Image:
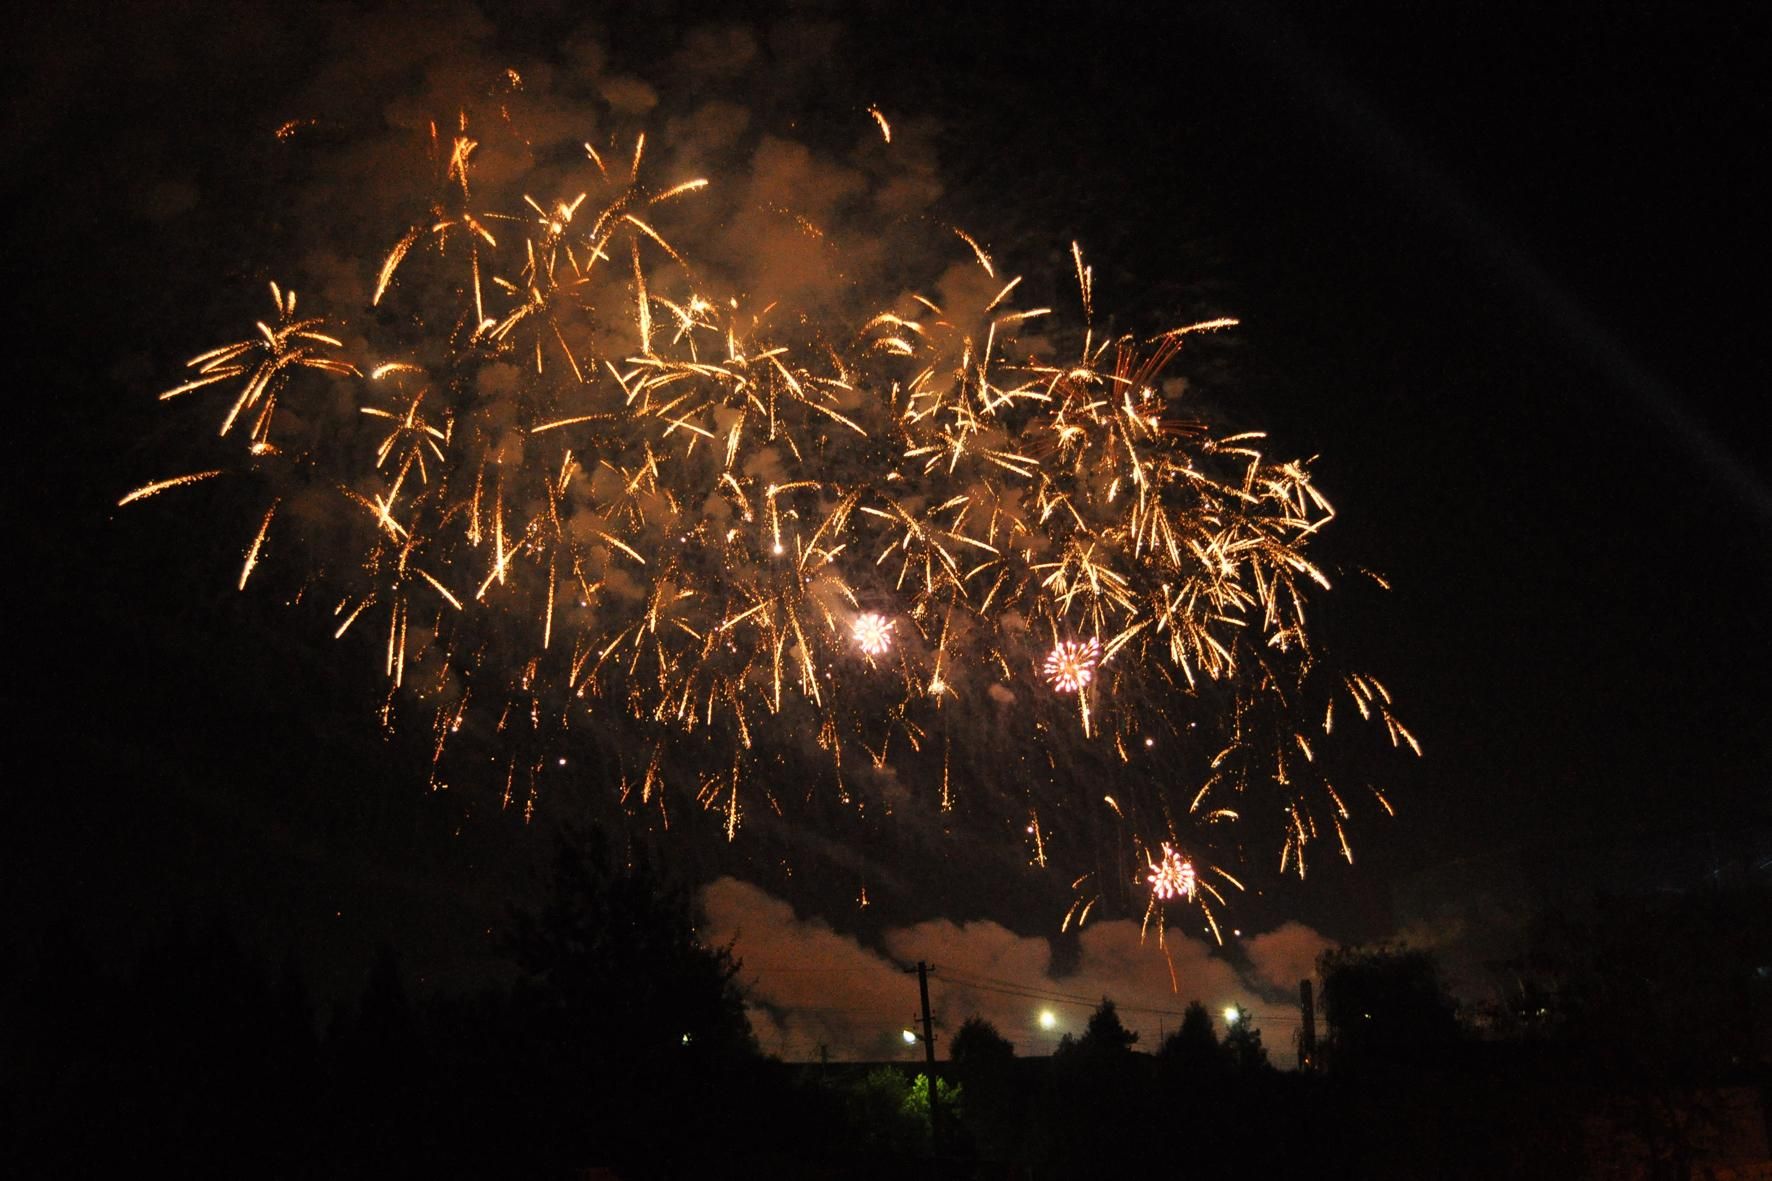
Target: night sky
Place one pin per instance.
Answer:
(1494, 267)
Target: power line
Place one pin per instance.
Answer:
(1270, 1015)
(1030, 993)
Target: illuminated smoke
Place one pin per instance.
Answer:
(573, 488)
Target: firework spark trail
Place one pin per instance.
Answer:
(592, 493)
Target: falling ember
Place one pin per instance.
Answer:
(258, 542)
(1070, 666)
(159, 486)
(873, 634)
(1172, 877)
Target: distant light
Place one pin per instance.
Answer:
(686, 1039)
(562, 761)
(1230, 1014)
(1048, 1019)
(1150, 742)
(910, 1039)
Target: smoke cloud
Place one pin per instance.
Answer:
(812, 987)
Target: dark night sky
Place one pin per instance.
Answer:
(1494, 265)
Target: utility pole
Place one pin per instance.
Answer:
(922, 970)
(1307, 1030)
(928, 1028)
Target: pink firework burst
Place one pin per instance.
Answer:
(1071, 665)
(1172, 877)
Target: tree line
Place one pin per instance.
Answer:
(620, 1041)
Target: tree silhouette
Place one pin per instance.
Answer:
(191, 1059)
(984, 1064)
(613, 951)
(1192, 1051)
(380, 1073)
(1386, 1004)
(1092, 1109)
(1105, 1037)
(1242, 1044)
(626, 1019)
(1657, 995)
(977, 1044)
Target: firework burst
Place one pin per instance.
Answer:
(1171, 876)
(1070, 666)
(873, 634)
(573, 493)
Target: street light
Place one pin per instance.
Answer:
(910, 1039)
(1231, 1013)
